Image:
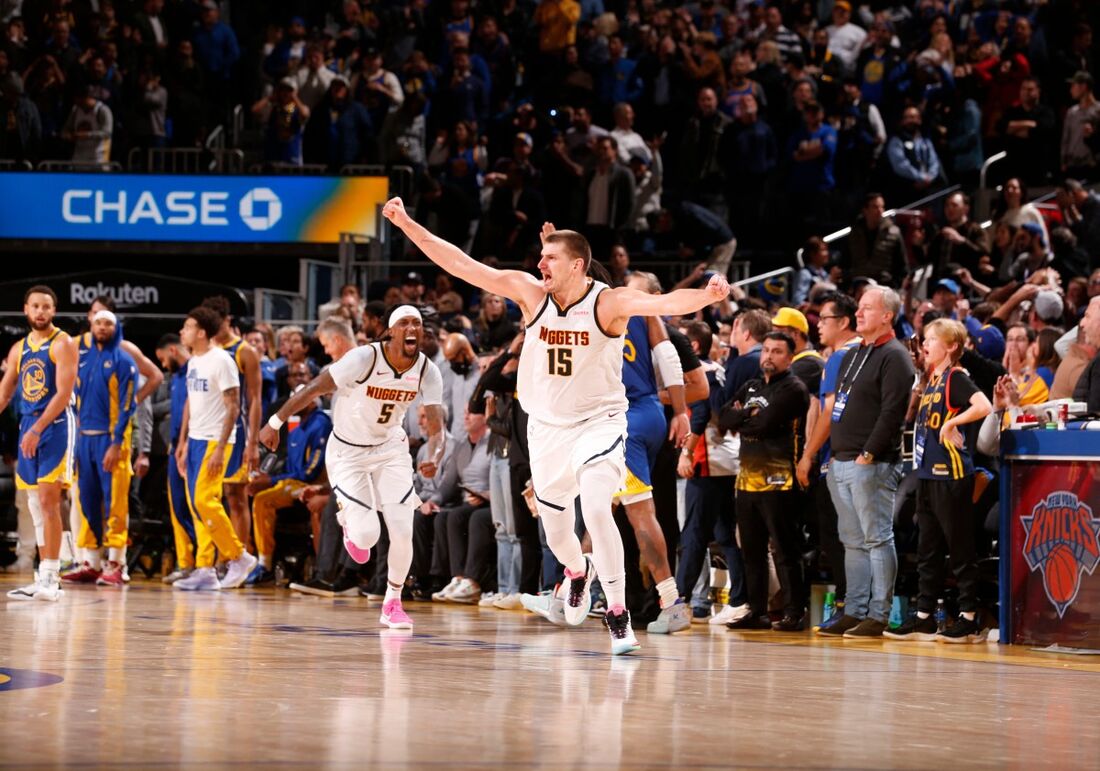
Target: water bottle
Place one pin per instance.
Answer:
(941, 616)
(830, 607)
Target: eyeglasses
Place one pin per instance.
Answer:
(831, 317)
(1094, 282)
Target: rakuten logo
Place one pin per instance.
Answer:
(125, 296)
(259, 208)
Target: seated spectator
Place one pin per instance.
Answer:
(1088, 385)
(1081, 212)
(815, 256)
(1020, 364)
(1035, 254)
(1044, 355)
(493, 328)
(1012, 207)
(960, 241)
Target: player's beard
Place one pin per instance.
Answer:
(38, 325)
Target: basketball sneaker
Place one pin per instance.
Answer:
(730, 614)
(617, 621)
(176, 575)
(362, 556)
(546, 604)
(49, 588)
(394, 616)
(25, 592)
(83, 573)
(200, 580)
(111, 576)
(259, 575)
(915, 628)
(466, 593)
(578, 598)
(488, 598)
(239, 570)
(508, 602)
(964, 630)
(444, 594)
(674, 618)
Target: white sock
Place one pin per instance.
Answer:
(94, 558)
(598, 484)
(668, 591)
(968, 615)
(265, 561)
(922, 615)
(116, 555)
(47, 570)
(392, 592)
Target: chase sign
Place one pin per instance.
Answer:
(140, 207)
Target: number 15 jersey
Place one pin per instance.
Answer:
(570, 369)
(374, 395)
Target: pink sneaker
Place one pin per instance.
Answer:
(362, 556)
(394, 616)
(85, 574)
(111, 576)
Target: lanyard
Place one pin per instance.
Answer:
(844, 379)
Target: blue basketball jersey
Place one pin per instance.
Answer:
(37, 374)
(638, 375)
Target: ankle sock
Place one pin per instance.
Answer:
(668, 592)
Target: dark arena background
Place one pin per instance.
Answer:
(860, 504)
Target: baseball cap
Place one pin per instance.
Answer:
(525, 138)
(791, 317)
(1035, 229)
(1081, 76)
(413, 278)
(289, 83)
(991, 343)
(843, 4)
(1049, 306)
(640, 155)
(950, 284)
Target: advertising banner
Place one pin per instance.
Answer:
(188, 208)
(1055, 584)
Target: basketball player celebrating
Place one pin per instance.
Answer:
(570, 383)
(43, 366)
(367, 457)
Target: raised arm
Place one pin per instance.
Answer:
(518, 286)
(616, 306)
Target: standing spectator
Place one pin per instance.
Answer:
(284, 118)
(557, 23)
(960, 140)
(20, 126)
(340, 132)
(1028, 128)
(1081, 211)
(154, 31)
(617, 82)
(876, 247)
(845, 38)
(627, 139)
(914, 164)
(610, 197)
(740, 85)
(861, 134)
(1013, 208)
(872, 397)
(876, 62)
(768, 412)
(465, 97)
(148, 126)
(90, 127)
(945, 488)
(1079, 129)
(313, 77)
(750, 155)
(187, 107)
(702, 64)
(378, 88)
(812, 150)
(702, 177)
(787, 41)
(960, 241)
(217, 52)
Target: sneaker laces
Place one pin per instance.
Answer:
(576, 588)
(617, 623)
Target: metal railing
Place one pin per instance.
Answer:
(7, 164)
(186, 160)
(236, 127)
(79, 166)
(290, 169)
(216, 139)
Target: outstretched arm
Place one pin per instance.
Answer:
(321, 385)
(622, 303)
(521, 287)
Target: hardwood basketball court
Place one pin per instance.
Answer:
(148, 677)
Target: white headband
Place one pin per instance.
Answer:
(105, 314)
(404, 311)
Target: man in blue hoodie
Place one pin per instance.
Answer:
(105, 385)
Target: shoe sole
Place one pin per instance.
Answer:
(847, 636)
(464, 600)
(969, 639)
(621, 649)
(49, 596)
(912, 636)
(385, 621)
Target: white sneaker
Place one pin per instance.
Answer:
(547, 605)
(25, 592)
(488, 598)
(466, 593)
(578, 594)
(508, 602)
(444, 594)
(200, 580)
(49, 589)
(176, 575)
(731, 613)
(239, 570)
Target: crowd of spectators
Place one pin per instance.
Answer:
(672, 128)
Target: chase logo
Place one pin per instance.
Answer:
(1063, 540)
(261, 209)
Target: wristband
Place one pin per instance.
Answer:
(275, 422)
(36, 433)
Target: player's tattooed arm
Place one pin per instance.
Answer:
(437, 441)
(322, 385)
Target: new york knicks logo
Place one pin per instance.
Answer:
(34, 381)
(1063, 540)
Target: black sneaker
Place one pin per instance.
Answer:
(315, 586)
(838, 625)
(790, 623)
(915, 628)
(259, 576)
(867, 629)
(751, 624)
(345, 585)
(964, 631)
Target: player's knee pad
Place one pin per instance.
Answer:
(37, 516)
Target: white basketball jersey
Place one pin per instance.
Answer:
(570, 370)
(374, 396)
